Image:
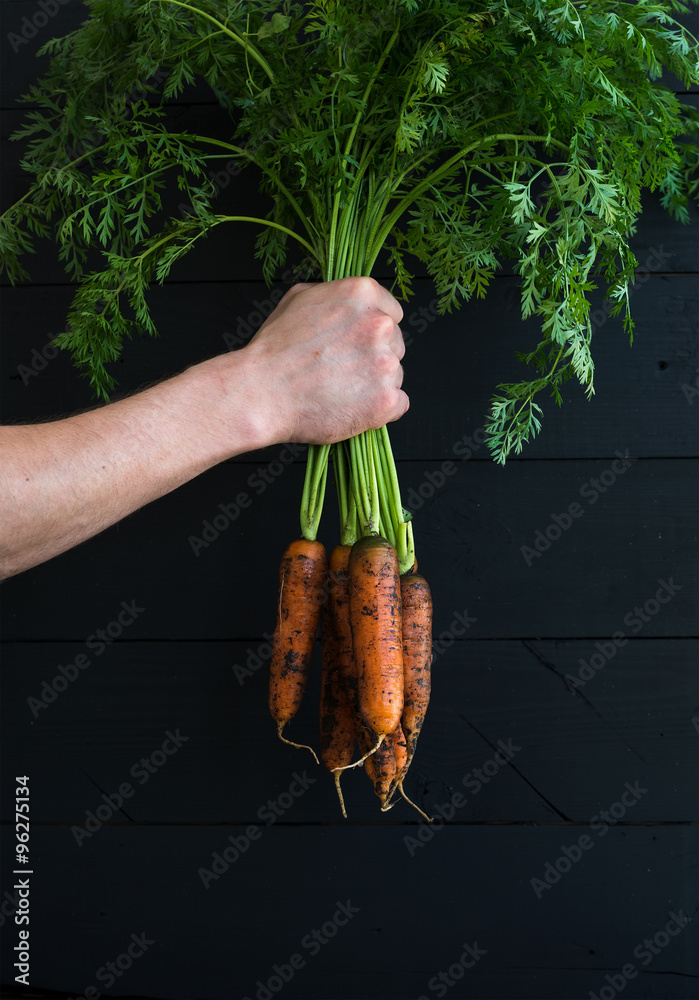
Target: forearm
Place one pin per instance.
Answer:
(64, 482)
(323, 367)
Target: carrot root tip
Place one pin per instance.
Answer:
(430, 819)
(339, 793)
(299, 746)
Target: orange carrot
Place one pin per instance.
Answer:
(381, 764)
(400, 749)
(417, 658)
(338, 600)
(337, 723)
(376, 617)
(300, 597)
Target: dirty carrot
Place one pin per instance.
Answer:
(338, 600)
(380, 765)
(400, 754)
(376, 618)
(302, 573)
(337, 722)
(417, 658)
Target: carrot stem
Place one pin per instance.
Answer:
(340, 467)
(314, 490)
(401, 531)
(370, 444)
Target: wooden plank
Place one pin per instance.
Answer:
(646, 395)
(476, 541)
(82, 732)
(405, 919)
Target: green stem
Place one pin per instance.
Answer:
(351, 531)
(375, 508)
(360, 484)
(388, 529)
(273, 225)
(37, 186)
(348, 149)
(438, 174)
(340, 466)
(232, 34)
(401, 527)
(314, 490)
(345, 496)
(241, 151)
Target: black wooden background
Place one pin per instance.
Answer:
(599, 790)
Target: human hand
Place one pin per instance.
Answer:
(328, 361)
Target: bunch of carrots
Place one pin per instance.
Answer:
(376, 629)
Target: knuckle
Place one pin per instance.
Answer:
(401, 345)
(386, 364)
(292, 292)
(386, 400)
(361, 287)
(379, 327)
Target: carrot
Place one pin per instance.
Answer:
(338, 600)
(302, 574)
(337, 722)
(400, 749)
(376, 617)
(381, 764)
(417, 658)
(400, 755)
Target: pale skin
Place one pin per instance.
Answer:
(324, 366)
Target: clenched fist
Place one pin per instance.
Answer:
(327, 362)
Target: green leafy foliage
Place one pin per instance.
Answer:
(457, 134)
